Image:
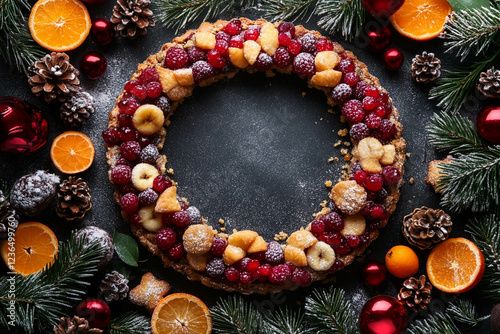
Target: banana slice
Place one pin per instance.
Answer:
(148, 119)
(151, 220)
(320, 256)
(143, 176)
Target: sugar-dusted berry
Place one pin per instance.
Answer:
(341, 93)
(160, 183)
(373, 121)
(294, 47)
(280, 274)
(148, 75)
(165, 238)
(274, 254)
(288, 27)
(359, 131)
(130, 150)
(263, 62)
(202, 70)
(147, 197)
(129, 203)
(181, 219)
(353, 111)
(233, 27)
(232, 274)
(282, 57)
(301, 276)
(391, 175)
(215, 267)
(176, 58)
(308, 42)
(324, 44)
(176, 253)
(111, 136)
(218, 246)
(121, 174)
(303, 64)
(374, 182)
(149, 154)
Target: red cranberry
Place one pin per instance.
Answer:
(215, 267)
(129, 203)
(264, 270)
(232, 274)
(121, 174)
(369, 103)
(202, 70)
(374, 182)
(252, 265)
(176, 58)
(351, 78)
(343, 248)
(294, 47)
(367, 209)
(263, 62)
(301, 276)
(181, 219)
(252, 34)
(280, 274)
(341, 93)
(147, 197)
(284, 38)
(308, 42)
(176, 253)
(237, 42)
(130, 150)
(282, 57)
(372, 91)
(223, 47)
(153, 89)
(336, 266)
(331, 238)
(290, 265)
(303, 64)
(131, 84)
(372, 120)
(148, 75)
(353, 111)
(274, 254)
(379, 111)
(346, 65)
(360, 177)
(160, 183)
(391, 175)
(245, 277)
(288, 27)
(222, 36)
(233, 27)
(165, 239)
(111, 136)
(317, 226)
(128, 106)
(215, 59)
(359, 131)
(333, 222)
(218, 246)
(196, 54)
(139, 91)
(324, 44)
(378, 211)
(352, 240)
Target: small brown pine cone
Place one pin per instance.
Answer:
(53, 77)
(75, 325)
(425, 68)
(77, 109)
(132, 18)
(489, 83)
(426, 227)
(416, 293)
(114, 286)
(73, 199)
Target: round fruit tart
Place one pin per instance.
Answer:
(243, 261)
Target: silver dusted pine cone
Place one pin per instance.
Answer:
(77, 109)
(114, 286)
(425, 68)
(132, 18)
(489, 83)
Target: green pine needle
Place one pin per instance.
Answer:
(485, 232)
(285, 321)
(130, 323)
(465, 312)
(328, 311)
(344, 16)
(437, 323)
(287, 10)
(236, 316)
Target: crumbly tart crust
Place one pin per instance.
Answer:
(148, 238)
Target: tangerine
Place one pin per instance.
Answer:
(401, 261)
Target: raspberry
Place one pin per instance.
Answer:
(318, 226)
(233, 27)
(165, 239)
(374, 182)
(148, 197)
(128, 106)
(352, 240)
(215, 267)
(149, 154)
(125, 120)
(294, 47)
(202, 70)
(372, 91)
(259, 256)
(372, 120)
(218, 246)
(153, 89)
(288, 27)
(111, 136)
(387, 129)
(274, 254)
(143, 141)
(129, 203)
(215, 59)
(223, 47)
(131, 84)
(290, 265)
(333, 222)
(237, 42)
(367, 209)
(331, 238)
(130, 150)
(381, 194)
(324, 45)
(336, 266)
(232, 274)
(123, 161)
(301, 276)
(196, 54)
(364, 238)
(139, 91)
(252, 34)
(341, 93)
(194, 215)
(379, 111)
(346, 66)
(282, 57)
(351, 78)
(360, 177)
(176, 58)
(355, 167)
(121, 174)
(241, 265)
(128, 134)
(391, 175)
(369, 103)
(353, 111)
(176, 253)
(303, 64)
(245, 277)
(181, 218)
(343, 248)
(160, 183)
(280, 274)
(222, 36)
(148, 75)
(383, 97)
(308, 42)
(284, 38)
(359, 90)
(264, 270)
(359, 131)
(164, 104)
(263, 62)
(127, 188)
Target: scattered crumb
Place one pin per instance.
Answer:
(170, 171)
(316, 122)
(347, 157)
(223, 229)
(280, 236)
(346, 143)
(337, 144)
(343, 119)
(343, 132)
(344, 151)
(321, 119)
(409, 201)
(331, 159)
(185, 200)
(412, 180)
(331, 111)
(304, 94)
(221, 221)
(408, 155)
(323, 204)
(336, 158)
(328, 183)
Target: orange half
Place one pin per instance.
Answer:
(59, 25)
(421, 20)
(72, 152)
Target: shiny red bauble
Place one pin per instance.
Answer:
(374, 273)
(382, 8)
(96, 311)
(383, 315)
(488, 124)
(393, 59)
(93, 65)
(22, 128)
(379, 38)
(94, 2)
(102, 31)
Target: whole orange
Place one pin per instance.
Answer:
(401, 261)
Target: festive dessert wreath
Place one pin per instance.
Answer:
(243, 261)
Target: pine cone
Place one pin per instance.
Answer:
(77, 109)
(114, 286)
(426, 227)
(132, 18)
(75, 325)
(54, 77)
(416, 293)
(425, 68)
(489, 83)
(73, 199)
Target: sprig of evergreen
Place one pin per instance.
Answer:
(236, 316)
(437, 323)
(344, 16)
(287, 10)
(485, 232)
(465, 312)
(130, 323)
(285, 321)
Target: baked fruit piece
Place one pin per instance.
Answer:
(169, 227)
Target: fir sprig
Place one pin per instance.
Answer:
(285, 321)
(465, 312)
(236, 316)
(438, 323)
(344, 16)
(485, 232)
(287, 10)
(130, 323)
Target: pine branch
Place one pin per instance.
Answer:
(454, 134)
(485, 232)
(437, 323)
(344, 16)
(130, 323)
(455, 86)
(472, 29)
(236, 316)
(464, 312)
(285, 321)
(283, 10)
(329, 312)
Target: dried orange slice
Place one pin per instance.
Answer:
(455, 265)
(59, 25)
(181, 313)
(33, 248)
(421, 20)
(72, 152)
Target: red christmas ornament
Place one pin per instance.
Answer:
(393, 59)
(379, 38)
(96, 311)
(488, 124)
(94, 2)
(374, 273)
(93, 65)
(383, 315)
(382, 8)
(102, 31)
(22, 128)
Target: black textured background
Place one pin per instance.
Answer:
(252, 151)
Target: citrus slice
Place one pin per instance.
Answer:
(421, 20)
(72, 152)
(34, 247)
(455, 265)
(59, 25)
(181, 313)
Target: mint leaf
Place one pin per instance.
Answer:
(126, 248)
(468, 4)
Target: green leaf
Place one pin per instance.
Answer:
(126, 248)
(468, 4)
